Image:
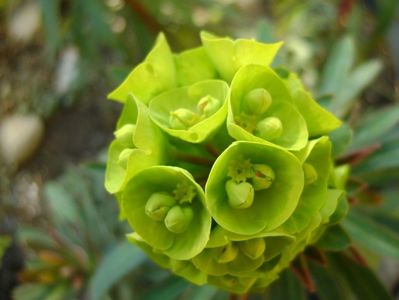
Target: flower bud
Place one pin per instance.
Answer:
(208, 105)
(263, 178)
(178, 218)
(158, 206)
(310, 173)
(182, 118)
(125, 135)
(253, 248)
(269, 128)
(258, 101)
(228, 253)
(240, 195)
(124, 157)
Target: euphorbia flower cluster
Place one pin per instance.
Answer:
(221, 164)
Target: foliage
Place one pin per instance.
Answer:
(322, 45)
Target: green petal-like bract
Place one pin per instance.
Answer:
(228, 55)
(162, 106)
(219, 118)
(281, 123)
(272, 206)
(156, 74)
(160, 179)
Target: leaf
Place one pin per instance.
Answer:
(337, 67)
(169, 290)
(373, 126)
(118, 262)
(205, 292)
(357, 80)
(363, 282)
(62, 204)
(287, 287)
(35, 237)
(328, 286)
(341, 139)
(51, 26)
(372, 235)
(334, 239)
(31, 292)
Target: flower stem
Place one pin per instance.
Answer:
(212, 150)
(196, 160)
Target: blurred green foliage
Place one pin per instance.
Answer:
(79, 252)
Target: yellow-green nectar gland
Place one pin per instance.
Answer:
(178, 218)
(269, 128)
(158, 205)
(183, 118)
(124, 157)
(253, 248)
(228, 253)
(310, 173)
(207, 106)
(263, 177)
(240, 195)
(124, 135)
(257, 101)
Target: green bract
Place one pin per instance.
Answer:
(221, 164)
(272, 205)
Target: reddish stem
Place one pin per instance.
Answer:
(358, 257)
(303, 274)
(145, 17)
(358, 155)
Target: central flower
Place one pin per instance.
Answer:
(221, 164)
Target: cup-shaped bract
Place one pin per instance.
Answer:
(319, 121)
(138, 145)
(228, 55)
(156, 74)
(276, 120)
(194, 66)
(317, 165)
(191, 113)
(271, 206)
(175, 242)
(184, 268)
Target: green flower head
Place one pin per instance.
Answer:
(222, 164)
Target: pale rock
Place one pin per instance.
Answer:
(67, 70)
(24, 22)
(20, 135)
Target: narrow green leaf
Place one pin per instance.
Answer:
(170, 290)
(372, 235)
(341, 139)
(337, 67)
(51, 24)
(31, 292)
(334, 239)
(353, 85)
(328, 287)
(287, 287)
(363, 282)
(62, 204)
(121, 260)
(374, 125)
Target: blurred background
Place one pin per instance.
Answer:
(60, 237)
